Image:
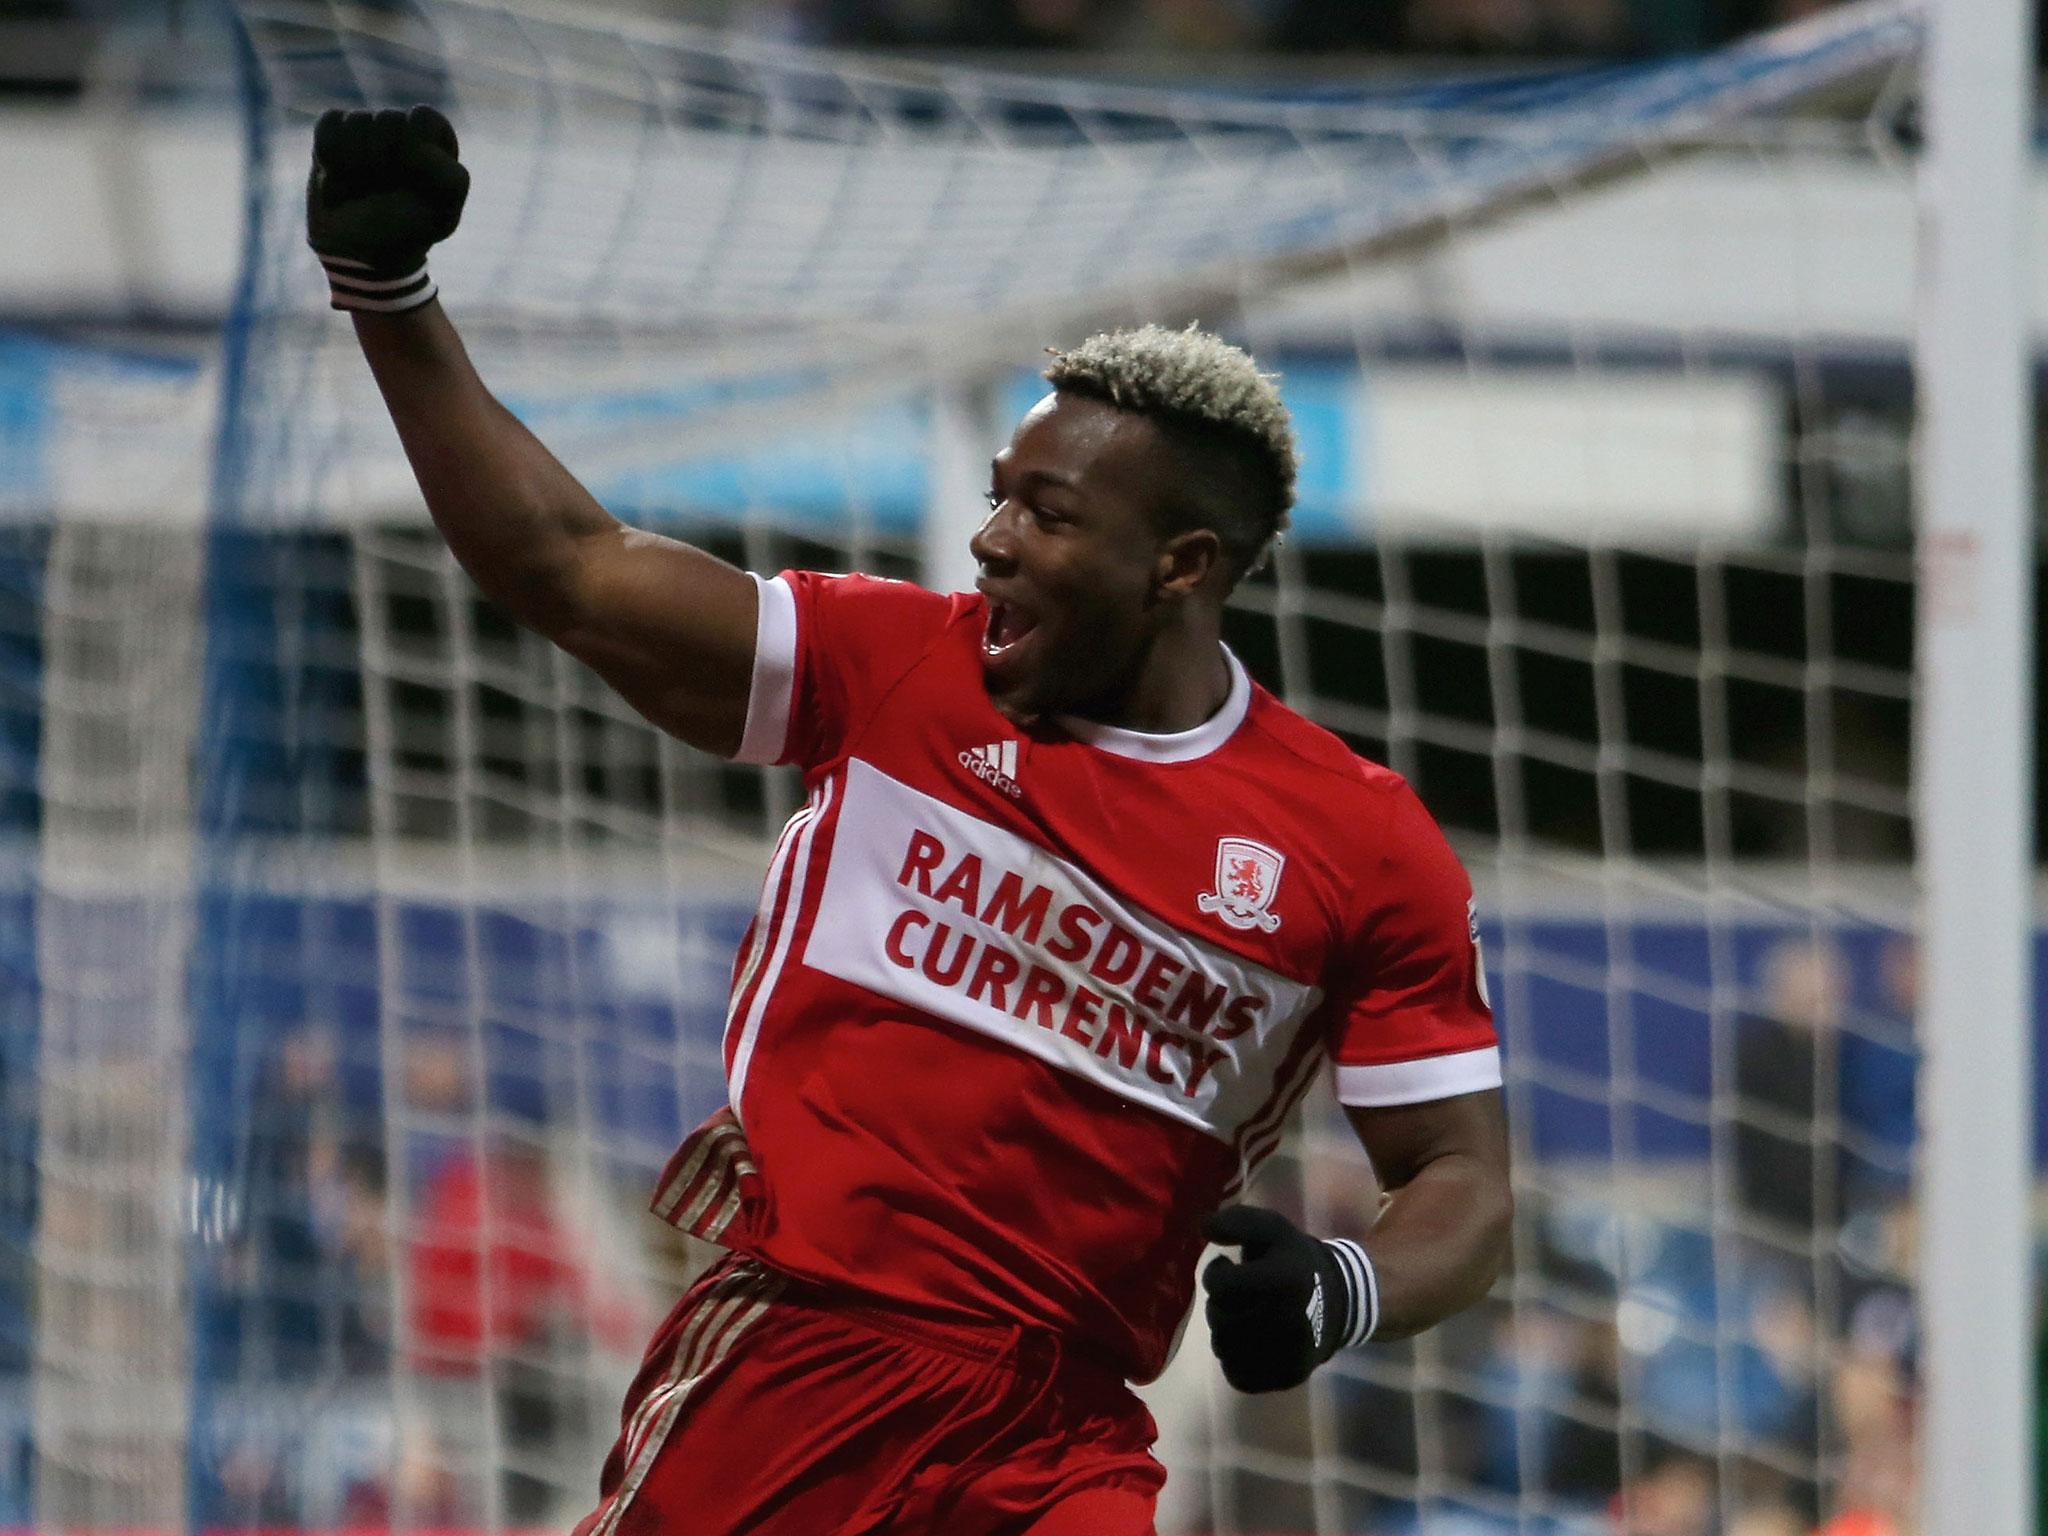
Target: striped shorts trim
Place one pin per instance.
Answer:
(730, 1303)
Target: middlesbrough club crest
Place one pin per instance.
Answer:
(1247, 878)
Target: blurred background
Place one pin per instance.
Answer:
(50, 44)
(361, 960)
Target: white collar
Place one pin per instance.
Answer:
(1171, 746)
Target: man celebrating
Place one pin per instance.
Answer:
(1070, 918)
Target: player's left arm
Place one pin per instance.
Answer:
(1418, 1072)
(1290, 1300)
(1442, 1239)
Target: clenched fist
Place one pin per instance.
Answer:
(385, 186)
(1287, 1303)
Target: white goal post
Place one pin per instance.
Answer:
(1975, 796)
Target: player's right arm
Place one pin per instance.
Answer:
(668, 626)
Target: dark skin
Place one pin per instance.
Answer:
(1100, 606)
(1126, 618)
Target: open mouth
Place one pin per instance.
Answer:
(1007, 625)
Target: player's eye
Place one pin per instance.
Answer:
(992, 499)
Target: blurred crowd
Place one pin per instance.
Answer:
(418, 1314)
(48, 45)
(1558, 29)
(360, 1378)
(1652, 1368)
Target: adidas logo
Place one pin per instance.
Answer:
(994, 764)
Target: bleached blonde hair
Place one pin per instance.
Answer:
(1211, 402)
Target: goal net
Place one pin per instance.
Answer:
(418, 975)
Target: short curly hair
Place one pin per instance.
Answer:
(1216, 409)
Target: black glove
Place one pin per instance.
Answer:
(1289, 1304)
(385, 186)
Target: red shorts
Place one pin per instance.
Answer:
(768, 1406)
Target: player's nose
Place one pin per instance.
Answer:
(993, 544)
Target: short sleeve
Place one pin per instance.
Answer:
(825, 650)
(1415, 1022)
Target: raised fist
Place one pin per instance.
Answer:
(385, 186)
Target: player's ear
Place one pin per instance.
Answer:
(1185, 561)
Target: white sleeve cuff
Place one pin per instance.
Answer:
(1417, 1082)
(768, 701)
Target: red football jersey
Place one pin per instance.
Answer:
(1019, 1007)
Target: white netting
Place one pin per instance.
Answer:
(683, 232)
(1607, 562)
